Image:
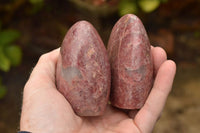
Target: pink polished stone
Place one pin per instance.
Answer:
(131, 63)
(83, 70)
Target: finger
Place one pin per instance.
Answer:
(46, 65)
(43, 105)
(159, 56)
(43, 74)
(150, 112)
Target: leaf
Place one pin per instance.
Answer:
(8, 36)
(127, 6)
(3, 91)
(4, 61)
(14, 54)
(148, 5)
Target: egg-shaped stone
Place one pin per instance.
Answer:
(131, 63)
(83, 70)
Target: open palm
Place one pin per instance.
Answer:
(46, 110)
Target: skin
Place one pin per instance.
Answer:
(44, 109)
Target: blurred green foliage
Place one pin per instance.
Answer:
(37, 5)
(127, 6)
(10, 54)
(134, 6)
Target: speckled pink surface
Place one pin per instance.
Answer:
(83, 70)
(131, 63)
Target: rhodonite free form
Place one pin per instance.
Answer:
(131, 63)
(83, 70)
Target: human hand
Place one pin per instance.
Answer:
(45, 109)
